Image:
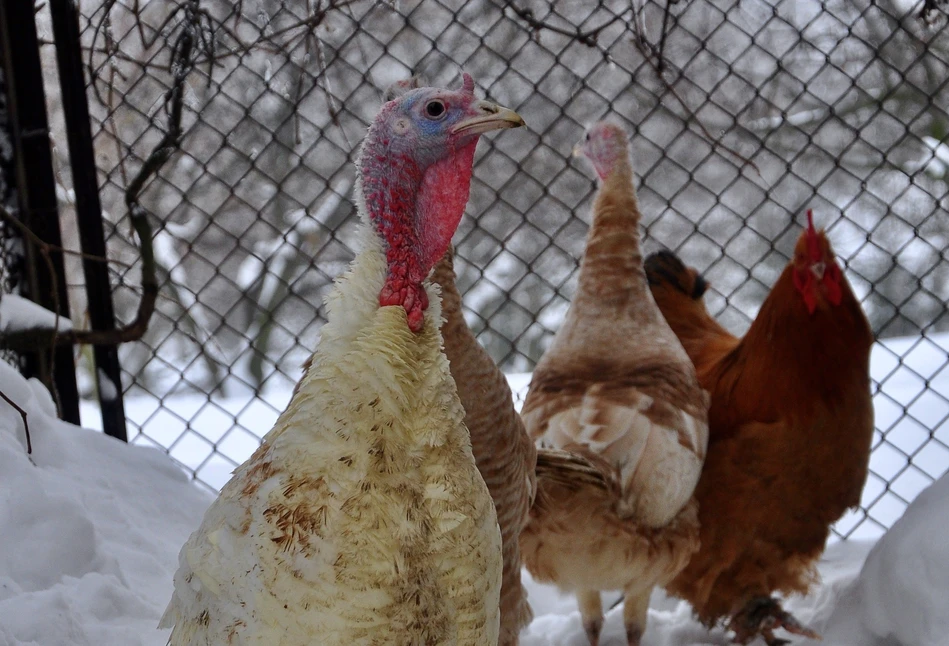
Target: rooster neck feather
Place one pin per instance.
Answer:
(818, 354)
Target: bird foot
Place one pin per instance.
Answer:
(633, 635)
(592, 628)
(762, 616)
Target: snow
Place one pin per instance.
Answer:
(897, 598)
(91, 531)
(911, 400)
(18, 313)
(107, 387)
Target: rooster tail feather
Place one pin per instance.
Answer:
(664, 267)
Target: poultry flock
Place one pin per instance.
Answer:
(398, 496)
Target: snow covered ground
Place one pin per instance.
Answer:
(91, 529)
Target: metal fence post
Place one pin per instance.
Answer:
(65, 16)
(36, 192)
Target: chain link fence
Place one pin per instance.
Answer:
(742, 113)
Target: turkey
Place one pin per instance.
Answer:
(615, 392)
(362, 518)
(504, 453)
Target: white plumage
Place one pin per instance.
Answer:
(362, 519)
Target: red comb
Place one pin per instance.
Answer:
(813, 247)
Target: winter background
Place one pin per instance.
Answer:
(743, 113)
(91, 529)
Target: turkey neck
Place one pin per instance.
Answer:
(475, 373)
(414, 211)
(390, 183)
(454, 330)
(612, 279)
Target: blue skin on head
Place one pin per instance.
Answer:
(431, 131)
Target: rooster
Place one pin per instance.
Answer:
(362, 518)
(790, 427)
(502, 449)
(617, 394)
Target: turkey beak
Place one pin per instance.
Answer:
(490, 117)
(578, 149)
(818, 269)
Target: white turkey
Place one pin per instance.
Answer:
(362, 519)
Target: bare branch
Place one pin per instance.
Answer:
(26, 424)
(182, 64)
(655, 57)
(587, 37)
(271, 41)
(27, 232)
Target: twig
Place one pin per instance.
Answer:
(198, 17)
(663, 33)
(238, 12)
(103, 25)
(268, 41)
(655, 59)
(26, 424)
(587, 37)
(125, 58)
(181, 64)
(110, 123)
(211, 54)
(653, 55)
(42, 244)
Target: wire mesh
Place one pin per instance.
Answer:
(742, 115)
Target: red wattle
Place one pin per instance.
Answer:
(832, 283)
(804, 283)
(441, 201)
(416, 213)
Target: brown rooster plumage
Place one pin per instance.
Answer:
(617, 393)
(504, 453)
(791, 422)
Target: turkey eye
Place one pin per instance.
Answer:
(435, 109)
(588, 136)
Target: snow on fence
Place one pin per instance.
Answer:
(742, 116)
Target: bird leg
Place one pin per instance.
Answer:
(761, 616)
(635, 612)
(591, 612)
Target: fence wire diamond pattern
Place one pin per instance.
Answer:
(743, 114)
